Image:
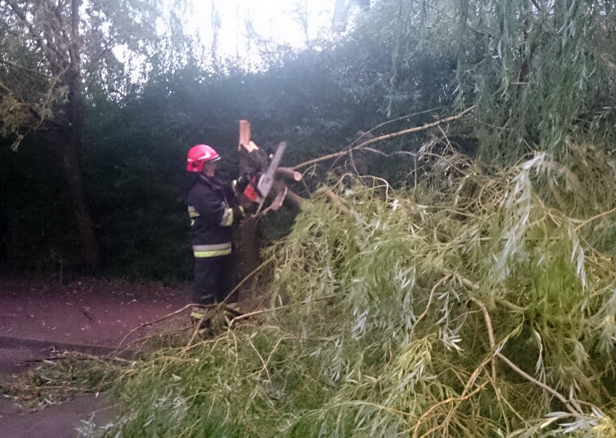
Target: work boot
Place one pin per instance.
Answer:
(234, 307)
(233, 310)
(196, 314)
(205, 326)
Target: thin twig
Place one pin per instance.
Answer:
(589, 220)
(425, 312)
(488, 320)
(499, 300)
(274, 309)
(531, 379)
(408, 116)
(444, 402)
(143, 339)
(169, 315)
(336, 200)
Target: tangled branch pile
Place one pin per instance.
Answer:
(479, 303)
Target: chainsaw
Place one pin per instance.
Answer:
(261, 185)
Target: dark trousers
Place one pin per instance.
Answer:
(214, 280)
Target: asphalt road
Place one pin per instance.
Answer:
(57, 421)
(40, 317)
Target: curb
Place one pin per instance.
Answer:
(96, 350)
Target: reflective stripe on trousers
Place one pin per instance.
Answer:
(221, 249)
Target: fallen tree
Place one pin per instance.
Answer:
(479, 302)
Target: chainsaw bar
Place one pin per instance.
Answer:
(267, 179)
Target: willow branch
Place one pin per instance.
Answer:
(444, 402)
(336, 200)
(295, 199)
(408, 117)
(531, 379)
(12, 64)
(425, 312)
(589, 220)
(499, 300)
(169, 315)
(289, 173)
(7, 90)
(488, 320)
(383, 138)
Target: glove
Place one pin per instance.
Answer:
(247, 186)
(242, 182)
(249, 208)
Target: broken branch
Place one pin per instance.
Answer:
(383, 138)
(289, 173)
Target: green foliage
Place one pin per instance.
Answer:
(540, 72)
(47, 45)
(136, 136)
(470, 305)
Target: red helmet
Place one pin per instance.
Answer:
(199, 155)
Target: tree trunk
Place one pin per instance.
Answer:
(3, 229)
(340, 17)
(72, 172)
(71, 148)
(249, 251)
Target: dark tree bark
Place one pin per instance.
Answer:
(249, 251)
(69, 149)
(3, 228)
(72, 148)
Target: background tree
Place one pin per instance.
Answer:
(541, 72)
(51, 53)
(137, 135)
(345, 11)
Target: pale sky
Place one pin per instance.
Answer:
(279, 20)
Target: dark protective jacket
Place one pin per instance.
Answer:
(214, 208)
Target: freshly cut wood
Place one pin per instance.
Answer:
(290, 173)
(244, 134)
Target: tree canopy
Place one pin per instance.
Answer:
(539, 71)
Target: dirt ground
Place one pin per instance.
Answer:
(40, 317)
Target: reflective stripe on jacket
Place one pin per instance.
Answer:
(213, 208)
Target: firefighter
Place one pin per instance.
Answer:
(215, 210)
